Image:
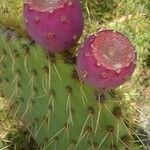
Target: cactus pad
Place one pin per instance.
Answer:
(59, 110)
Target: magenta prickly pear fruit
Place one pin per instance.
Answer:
(55, 24)
(106, 60)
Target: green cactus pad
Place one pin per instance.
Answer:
(59, 110)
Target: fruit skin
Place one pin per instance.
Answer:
(56, 30)
(97, 75)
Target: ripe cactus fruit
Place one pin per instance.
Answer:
(106, 60)
(56, 25)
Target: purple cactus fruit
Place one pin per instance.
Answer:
(106, 60)
(55, 24)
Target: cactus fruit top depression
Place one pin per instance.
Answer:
(106, 60)
(55, 24)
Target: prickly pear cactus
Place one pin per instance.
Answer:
(47, 95)
(59, 110)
